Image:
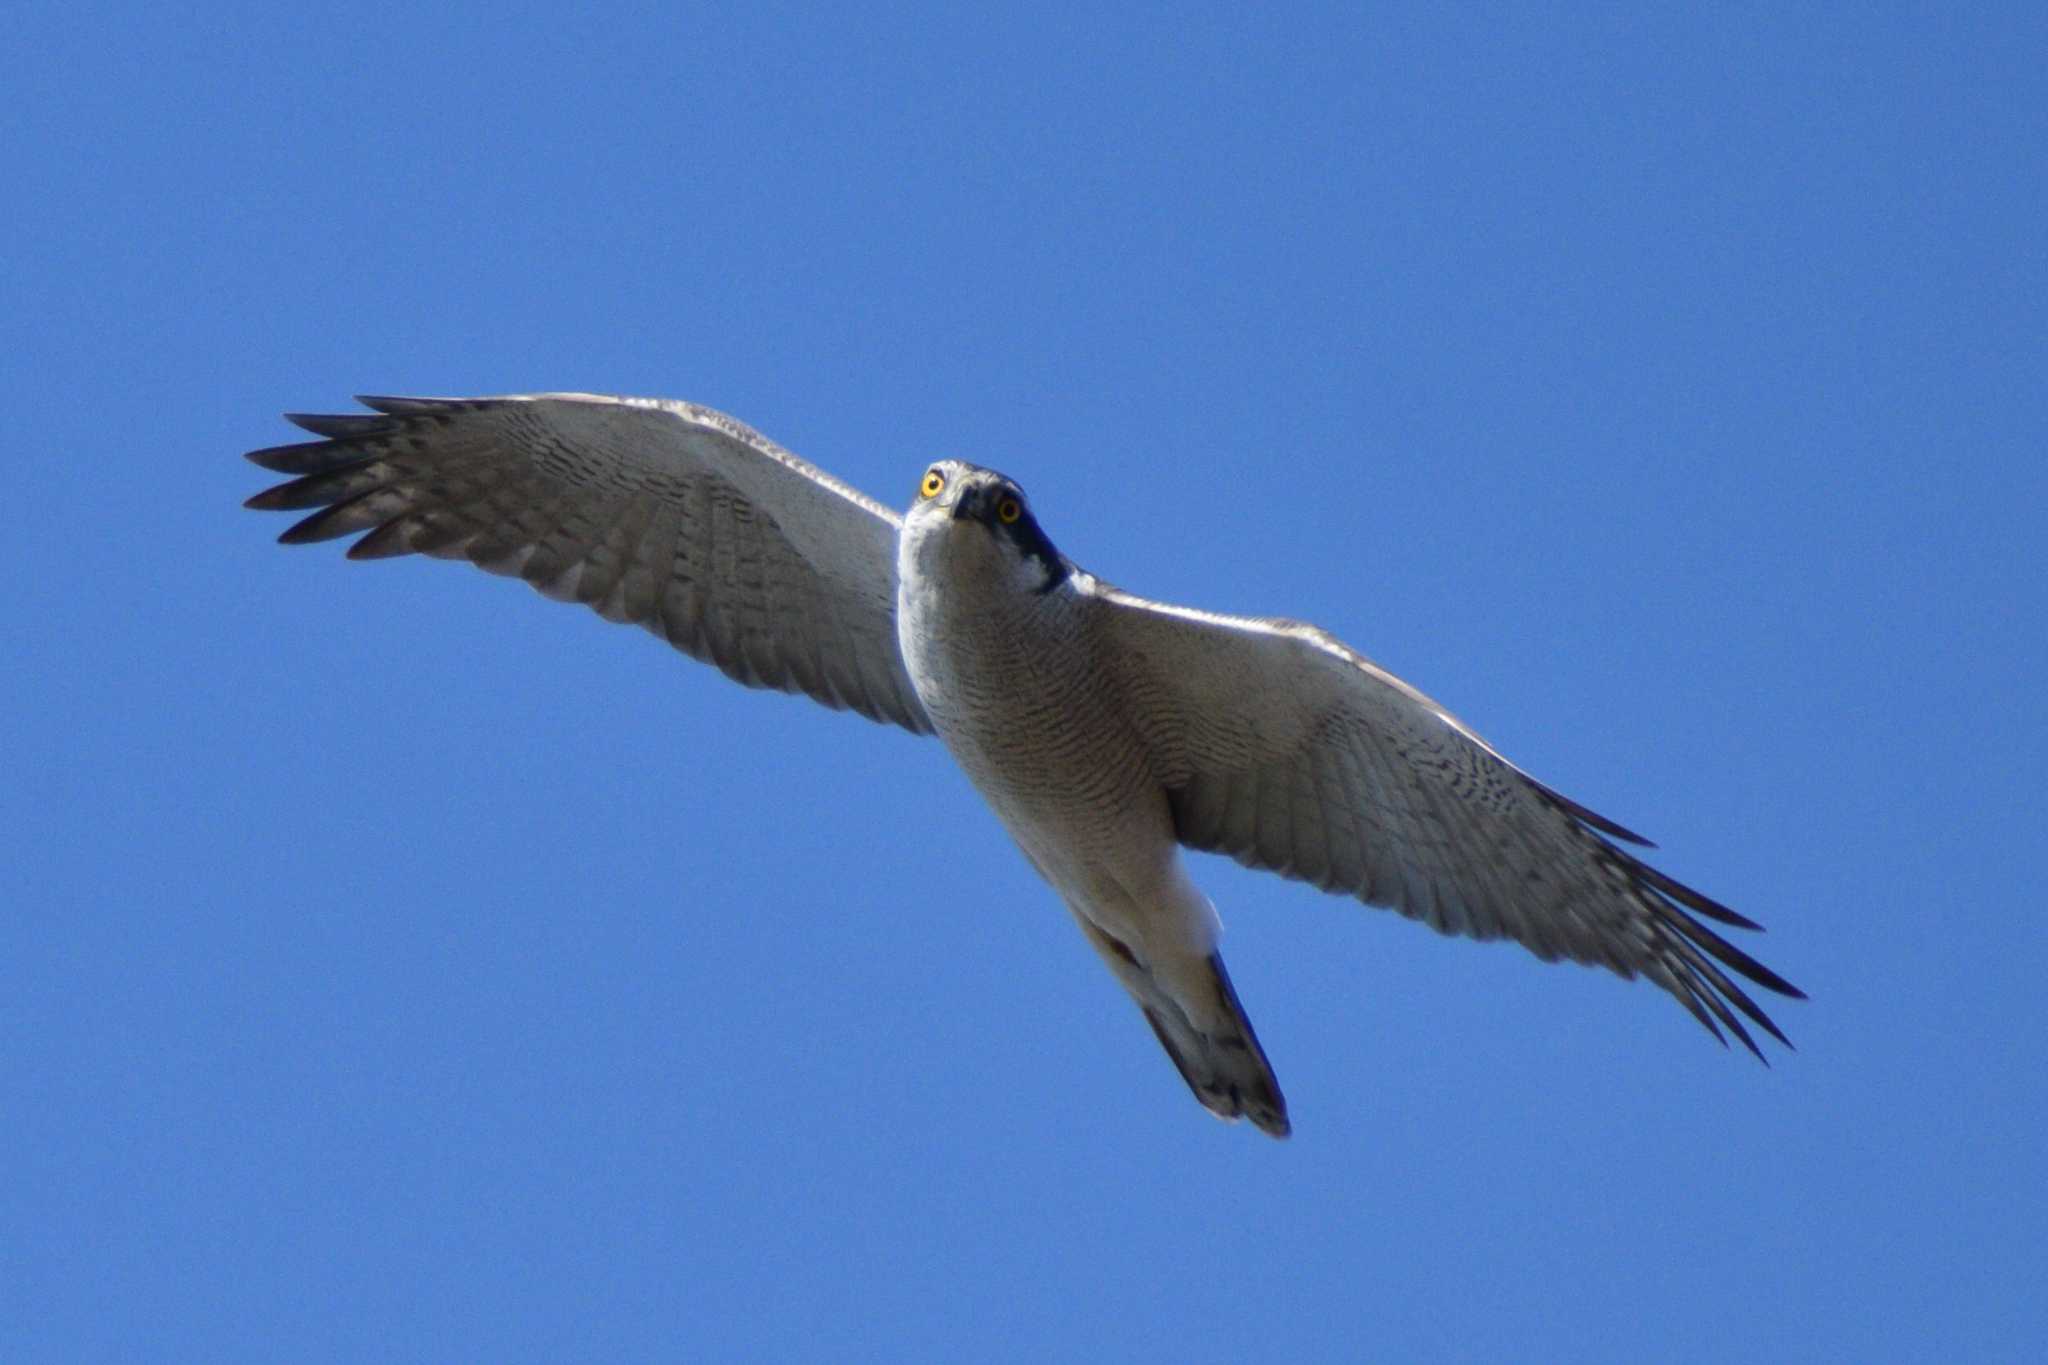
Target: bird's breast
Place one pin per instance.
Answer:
(1020, 698)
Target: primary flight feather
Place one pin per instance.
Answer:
(1105, 730)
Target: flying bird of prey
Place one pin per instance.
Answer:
(1105, 730)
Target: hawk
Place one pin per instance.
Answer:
(1106, 731)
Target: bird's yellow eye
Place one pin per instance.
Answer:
(1008, 510)
(933, 482)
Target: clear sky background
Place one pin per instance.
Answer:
(396, 965)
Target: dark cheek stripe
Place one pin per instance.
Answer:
(1034, 544)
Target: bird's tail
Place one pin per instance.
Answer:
(1194, 1012)
(1221, 1059)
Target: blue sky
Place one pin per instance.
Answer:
(401, 966)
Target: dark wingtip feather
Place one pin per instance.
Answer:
(1735, 1025)
(1757, 1017)
(393, 406)
(311, 490)
(392, 539)
(307, 531)
(306, 457)
(1695, 955)
(1686, 896)
(1742, 1036)
(1688, 996)
(1705, 985)
(329, 523)
(342, 426)
(1714, 991)
(1586, 816)
(1740, 961)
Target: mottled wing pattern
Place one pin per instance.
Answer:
(1285, 749)
(666, 515)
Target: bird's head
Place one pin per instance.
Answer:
(964, 513)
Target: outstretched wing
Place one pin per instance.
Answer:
(666, 515)
(1289, 751)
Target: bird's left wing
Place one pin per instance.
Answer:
(1281, 746)
(665, 515)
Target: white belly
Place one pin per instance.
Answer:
(1033, 721)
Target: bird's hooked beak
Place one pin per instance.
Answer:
(967, 503)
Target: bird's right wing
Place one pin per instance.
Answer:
(662, 514)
